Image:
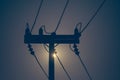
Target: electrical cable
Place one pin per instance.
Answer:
(85, 68)
(30, 45)
(62, 15)
(81, 63)
(57, 44)
(63, 67)
(41, 66)
(33, 53)
(93, 16)
(37, 15)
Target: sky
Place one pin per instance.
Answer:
(99, 43)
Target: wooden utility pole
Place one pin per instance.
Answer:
(51, 40)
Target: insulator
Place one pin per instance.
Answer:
(74, 46)
(31, 49)
(77, 53)
(29, 46)
(76, 31)
(27, 30)
(76, 49)
(41, 31)
(32, 52)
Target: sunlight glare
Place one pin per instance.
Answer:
(54, 55)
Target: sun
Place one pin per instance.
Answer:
(54, 55)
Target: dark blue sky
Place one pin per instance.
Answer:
(99, 43)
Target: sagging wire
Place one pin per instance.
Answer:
(37, 15)
(29, 45)
(33, 53)
(27, 31)
(85, 67)
(77, 53)
(43, 26)
(81, 31)
(41, 66)
(62, 66)
(61, 15)
(101, 5)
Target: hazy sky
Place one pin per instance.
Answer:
(99, 43)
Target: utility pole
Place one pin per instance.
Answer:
(51, 40)
(51, 61)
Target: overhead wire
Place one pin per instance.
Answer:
(63, 67)
(84, 66)
(41, 66)
(86, 70)
(37, 15)
(101, 5)
(56, 30)
(33, 53)
(61, 18)
(62, 15)
(30, 46)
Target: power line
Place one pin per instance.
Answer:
(93, 16)
(37, 15)
(63, 67)
(52, 45)
(85, 68)
(62, 15)
(33, 53)
(81, 62)
(31, 45)
(41, 66)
